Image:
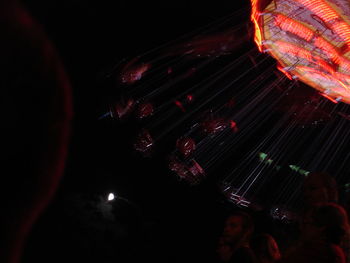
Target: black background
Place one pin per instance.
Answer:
(164, 219)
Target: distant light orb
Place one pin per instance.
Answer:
(111, 197)
(310, 39)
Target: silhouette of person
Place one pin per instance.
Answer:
(319, 188)
(234, 242)
(321, 237)
(265, 248)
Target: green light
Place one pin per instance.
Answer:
(294, 167)
(262, 156)
(303, 172)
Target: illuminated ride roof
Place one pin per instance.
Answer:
(310, 39)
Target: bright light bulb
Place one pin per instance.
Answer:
(111, 197)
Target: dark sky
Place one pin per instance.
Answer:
(174, 219)
(158, 217)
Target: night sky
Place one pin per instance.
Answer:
(282, 130)
(158, 217)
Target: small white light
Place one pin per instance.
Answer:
(111, 197)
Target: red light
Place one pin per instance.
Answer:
(179, 104)
(233, 126)
(189, 97)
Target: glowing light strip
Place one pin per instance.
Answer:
(321, 8)
(328, 14)
(331, 51)
(324, 65)
(343, 77)
(305, 33)
(343, 30)
(342, 84)
(314, 71)
(328, 97)
(328, 48)
(292, 26)
(345, 64)
(299, 52)
(294, 50)
(254, 18)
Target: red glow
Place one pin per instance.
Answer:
(233, 126)
(231, 103)
(196, 169)
(178, 167)
(122, 109)
(189, 97)
(186, 146)
(130, 74)
(144, 142)
(145, 110)
(213, 126)
(179, 104)
(192, 173)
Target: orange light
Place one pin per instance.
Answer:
(328, 48)
(294, 50)
(343, 30)
(328, 14)
(254, 18)
(330, 98)
(321, 8)
(299, 52)
(292, 26)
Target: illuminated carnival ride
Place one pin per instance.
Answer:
(310, 39)
(253, 119)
